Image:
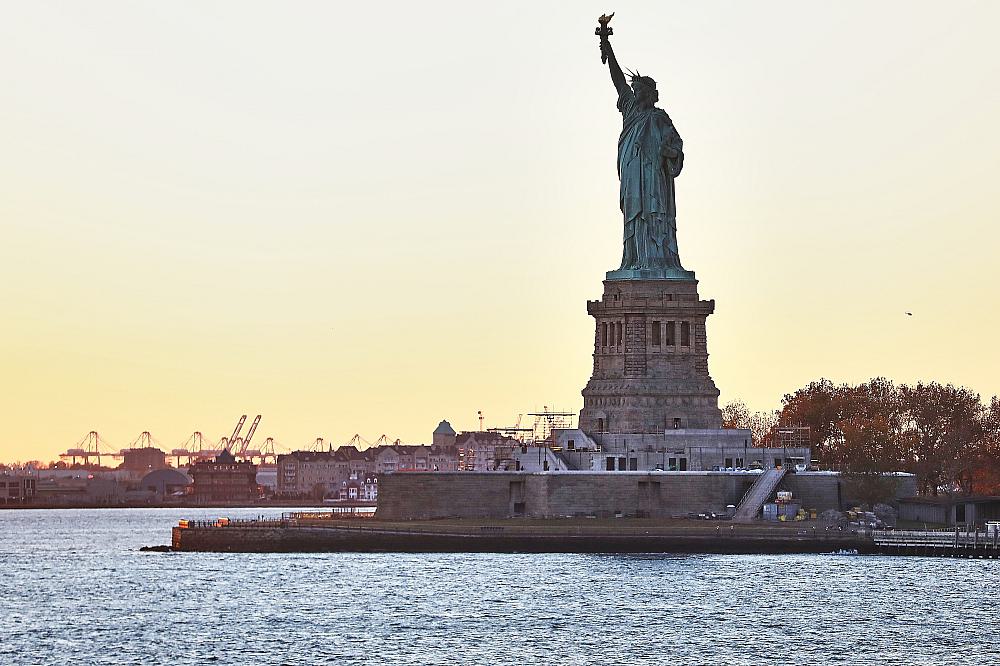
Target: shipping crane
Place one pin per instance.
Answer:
(246, 440)
(268, 455)
(236, 432)
(90, 447)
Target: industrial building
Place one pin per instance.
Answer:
(224, 480)
(16, 488)
(952, 510)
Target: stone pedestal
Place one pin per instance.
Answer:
(650, 359)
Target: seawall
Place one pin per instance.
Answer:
(539, 537)
(494, 495)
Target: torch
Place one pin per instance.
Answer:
(603, 30)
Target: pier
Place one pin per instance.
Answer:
(328, 532)
(345, 531)
(938, 543)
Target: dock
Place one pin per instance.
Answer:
(323, 532)
(938, 543)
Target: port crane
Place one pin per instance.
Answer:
(245, 444)
(89, 449)
(236, 432)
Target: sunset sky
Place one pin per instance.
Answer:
(367, 217)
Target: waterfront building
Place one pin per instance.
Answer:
(162, 483)
(405, 457)
(352, 461)
(369, 489)
(311, 473)
(484, 451)
(952, 510)
(443, 457)
(387, 459)
(444, 435)
(144, 459)
(224, 480)
(358, 490)
(319, 473)
(349, 491)
(81, 489)
(16, 488)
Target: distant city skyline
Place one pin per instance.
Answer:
(366, 219)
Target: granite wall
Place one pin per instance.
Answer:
(422, 495)
(417, 495)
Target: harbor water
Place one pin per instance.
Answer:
(76, 590)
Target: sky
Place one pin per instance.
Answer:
(368, 217)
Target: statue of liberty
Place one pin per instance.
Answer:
(650, 157)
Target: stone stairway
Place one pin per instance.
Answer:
(761, 491)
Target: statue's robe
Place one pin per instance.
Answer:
(647, 185)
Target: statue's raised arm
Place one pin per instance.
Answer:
(604, 31)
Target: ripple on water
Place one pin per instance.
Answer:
(76, 591)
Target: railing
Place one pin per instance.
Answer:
(757, 495)
(953, 538)
(337, 513)
(234, 522)
(288, 517)
(441, 528)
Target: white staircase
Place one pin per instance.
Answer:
(761, 491)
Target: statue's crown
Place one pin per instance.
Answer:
(637, 78)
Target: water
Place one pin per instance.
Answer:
(74, 590)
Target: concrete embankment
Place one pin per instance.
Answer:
(542, 536)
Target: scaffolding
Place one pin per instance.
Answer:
(790, 437)
(546, 421)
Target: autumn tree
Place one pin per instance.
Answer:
(735, 415)
(986, 475)
(817, 406)
(760, 424)
(942, 433)
(948, 427)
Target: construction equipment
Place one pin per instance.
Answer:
(190, 450)
(245, 444)
(88, 449)
(515, 431)
(143, 441)
(546, 421)
(236, 432)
